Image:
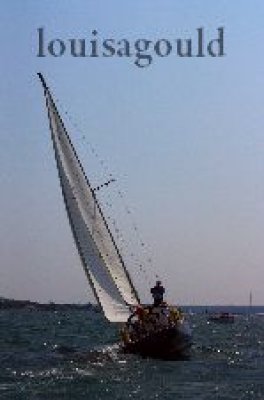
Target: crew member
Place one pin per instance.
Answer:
(157, 293)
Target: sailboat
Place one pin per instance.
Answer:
(102, 261)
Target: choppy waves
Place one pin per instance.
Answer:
(75, 355)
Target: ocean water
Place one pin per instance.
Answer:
(75, 355)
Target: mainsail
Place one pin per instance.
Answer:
(102, 262)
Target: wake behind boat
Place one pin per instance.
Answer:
(159, 331)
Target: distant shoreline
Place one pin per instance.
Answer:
(7, 304)
(51, 306)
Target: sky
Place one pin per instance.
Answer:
(183, 138)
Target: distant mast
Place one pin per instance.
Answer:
(250, 304)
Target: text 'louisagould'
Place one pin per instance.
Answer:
(141, 51)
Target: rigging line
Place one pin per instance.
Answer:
(104, 184)
(138, 238)
(106, 171)
(123, 245)
(136, 231)
(135, 227)
(118, 237)
(137, 263)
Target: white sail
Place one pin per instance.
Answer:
(100, 257)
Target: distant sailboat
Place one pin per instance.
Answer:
(100, 256)
(250, 304)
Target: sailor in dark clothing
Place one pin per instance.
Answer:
(157, 293)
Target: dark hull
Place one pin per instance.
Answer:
(172, 343)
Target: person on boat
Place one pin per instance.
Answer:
(139, 313)
(157, 293)
(136, 323)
